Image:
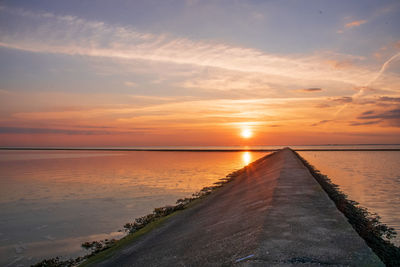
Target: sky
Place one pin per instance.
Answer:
(195, 73)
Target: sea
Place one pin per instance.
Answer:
(53, 200)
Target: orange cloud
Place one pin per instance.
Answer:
(339, 64)
(355, 23)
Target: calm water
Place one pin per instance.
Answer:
(371, 178)
(52, 201)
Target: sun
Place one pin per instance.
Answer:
(246, 133)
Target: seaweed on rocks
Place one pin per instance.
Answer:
(58, 262)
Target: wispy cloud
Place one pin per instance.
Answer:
(309, 90)
(392, 116)
(24, 130)
(376, 77)
(389, 99)
(4, 92)
(339, 64)
(350, 25)
(48, 33)
(362, 123)
(389, 114)
(166, 113)
(369, 112)
(343, 100)
(321, 122)
(355, 23)
(130, 84)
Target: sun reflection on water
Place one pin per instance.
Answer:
(246, 157)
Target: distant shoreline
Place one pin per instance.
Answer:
(196, 149)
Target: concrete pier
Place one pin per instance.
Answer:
(274, 214)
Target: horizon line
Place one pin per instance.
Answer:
(212, 148)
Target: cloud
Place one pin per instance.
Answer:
(355, 23)
(391, 116)
(322, 105)
(4, 92)
(23, 130)
(20, 130)
(389, 99)
(343, 100)
(397, 44)
(225, 80)
(369, 112)
(70, 35)
(258, 16)
(320, 122)
(130, 84)
(309, 90)
(93, 127)
(157, 115)
(191, 2)
(339, 64)
(357, 123)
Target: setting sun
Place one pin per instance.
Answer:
(246, 133)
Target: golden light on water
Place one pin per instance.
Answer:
(246, 157)
(246, 133)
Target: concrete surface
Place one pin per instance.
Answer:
(275, 214)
